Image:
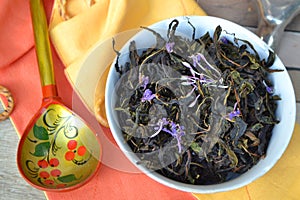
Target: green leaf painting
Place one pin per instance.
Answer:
(40, 133)
(67, 179)
(41, 149)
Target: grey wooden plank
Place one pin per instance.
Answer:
(289, 49)
(243, 12)
(295, 76)
(12, 185)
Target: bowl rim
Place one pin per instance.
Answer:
(231, 184)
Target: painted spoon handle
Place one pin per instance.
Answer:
(43, 50)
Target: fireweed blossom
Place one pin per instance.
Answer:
(170, 46)
(196, 59)
(148, 95)
(269, 89)
(193, 82)
(224, 40)
(161, 123)
(210, 70)
(144, 81)
(175, 130)
(234, 113)
(199, 78)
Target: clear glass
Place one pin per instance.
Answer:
(274, 16)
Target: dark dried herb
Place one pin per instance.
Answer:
(197, 110)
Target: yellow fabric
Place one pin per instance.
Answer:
(281, 182)
(78, 25)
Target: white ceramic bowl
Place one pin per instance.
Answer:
(286, 110)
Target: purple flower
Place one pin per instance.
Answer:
(148, 95)
(224, 40)
(177, 132)
(213, 72)
(162, 122)
(170, 46)
(233, 114)
(172, 128)
(202, 79)
(236, 112)
(269, 89)
(144, 80)
(196, 59)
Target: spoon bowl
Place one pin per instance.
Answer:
(58, 150)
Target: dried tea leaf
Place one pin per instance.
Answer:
(195, 147)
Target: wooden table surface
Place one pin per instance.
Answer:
(243, 12)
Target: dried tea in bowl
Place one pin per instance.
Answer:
(197, 110)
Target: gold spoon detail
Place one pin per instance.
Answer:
(58, 151)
